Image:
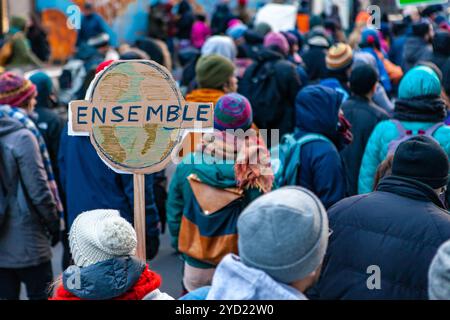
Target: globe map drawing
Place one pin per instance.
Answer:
(141, 146)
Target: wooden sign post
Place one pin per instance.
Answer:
(136, 118)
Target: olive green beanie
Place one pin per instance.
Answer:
(213, 71)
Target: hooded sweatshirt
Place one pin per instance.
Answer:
(233, 280)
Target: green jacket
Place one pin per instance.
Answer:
(180, 193)
(21, 52)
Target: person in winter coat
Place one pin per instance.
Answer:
(49, 123)
(215, 45)
(438, 279)
(215, 77)
(446, 88)
(363, 115)
(280, 252)
(314, 58)
(399, 30)
(383, 242)
(232, 112)
(32, 222)
(103, 245)
(37, 36)
(419, 108)
(281, 81)
(380, 96)
(21, 55)
(390, 74)
(418, 44)
(89, 184)
(322, 171)
(92, 25)
(339, 62)
(184, 20)
(441, 49)
(220, 18)
(200, 32)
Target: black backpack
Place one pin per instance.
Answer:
(260, 86)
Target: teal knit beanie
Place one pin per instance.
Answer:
(419, 81)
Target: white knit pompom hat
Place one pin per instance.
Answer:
(100, 235)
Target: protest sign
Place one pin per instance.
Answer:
(135, 117)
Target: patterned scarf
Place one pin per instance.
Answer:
(250, 156)
(21, 116)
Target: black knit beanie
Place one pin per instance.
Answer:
(422, 158)
(362, 79)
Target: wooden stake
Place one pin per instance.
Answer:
(139, 214)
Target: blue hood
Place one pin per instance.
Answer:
(235, 281)
(104, 280)
(317, 109)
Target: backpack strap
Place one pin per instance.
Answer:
(400, 128)
(430, 131)
(294, 163)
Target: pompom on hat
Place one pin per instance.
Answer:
(100, 235)
(14, 89)
(233, 111)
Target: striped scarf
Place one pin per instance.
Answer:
(21, 116)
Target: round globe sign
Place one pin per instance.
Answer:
(135, 115)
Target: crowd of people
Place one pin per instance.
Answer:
(358, 179)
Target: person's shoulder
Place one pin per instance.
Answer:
(350, 204)
(443, 135)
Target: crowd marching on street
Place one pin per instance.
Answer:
(356, 181)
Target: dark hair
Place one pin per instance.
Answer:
(362, 79)
(200, 17)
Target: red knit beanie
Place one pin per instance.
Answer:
(14, 89)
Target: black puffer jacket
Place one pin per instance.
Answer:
(363, 115)
(397, 228)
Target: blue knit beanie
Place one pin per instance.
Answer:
(419, 81)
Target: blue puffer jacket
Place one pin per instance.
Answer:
(104, 280)
(398, 228)
(89, 184)
(378, 145)
(322, 170)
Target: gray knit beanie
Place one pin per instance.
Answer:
(100, 235)
(284, 233)
(439, 274)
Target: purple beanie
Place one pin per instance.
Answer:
(233, 111)
(277, 39)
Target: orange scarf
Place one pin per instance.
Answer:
(205, 95)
